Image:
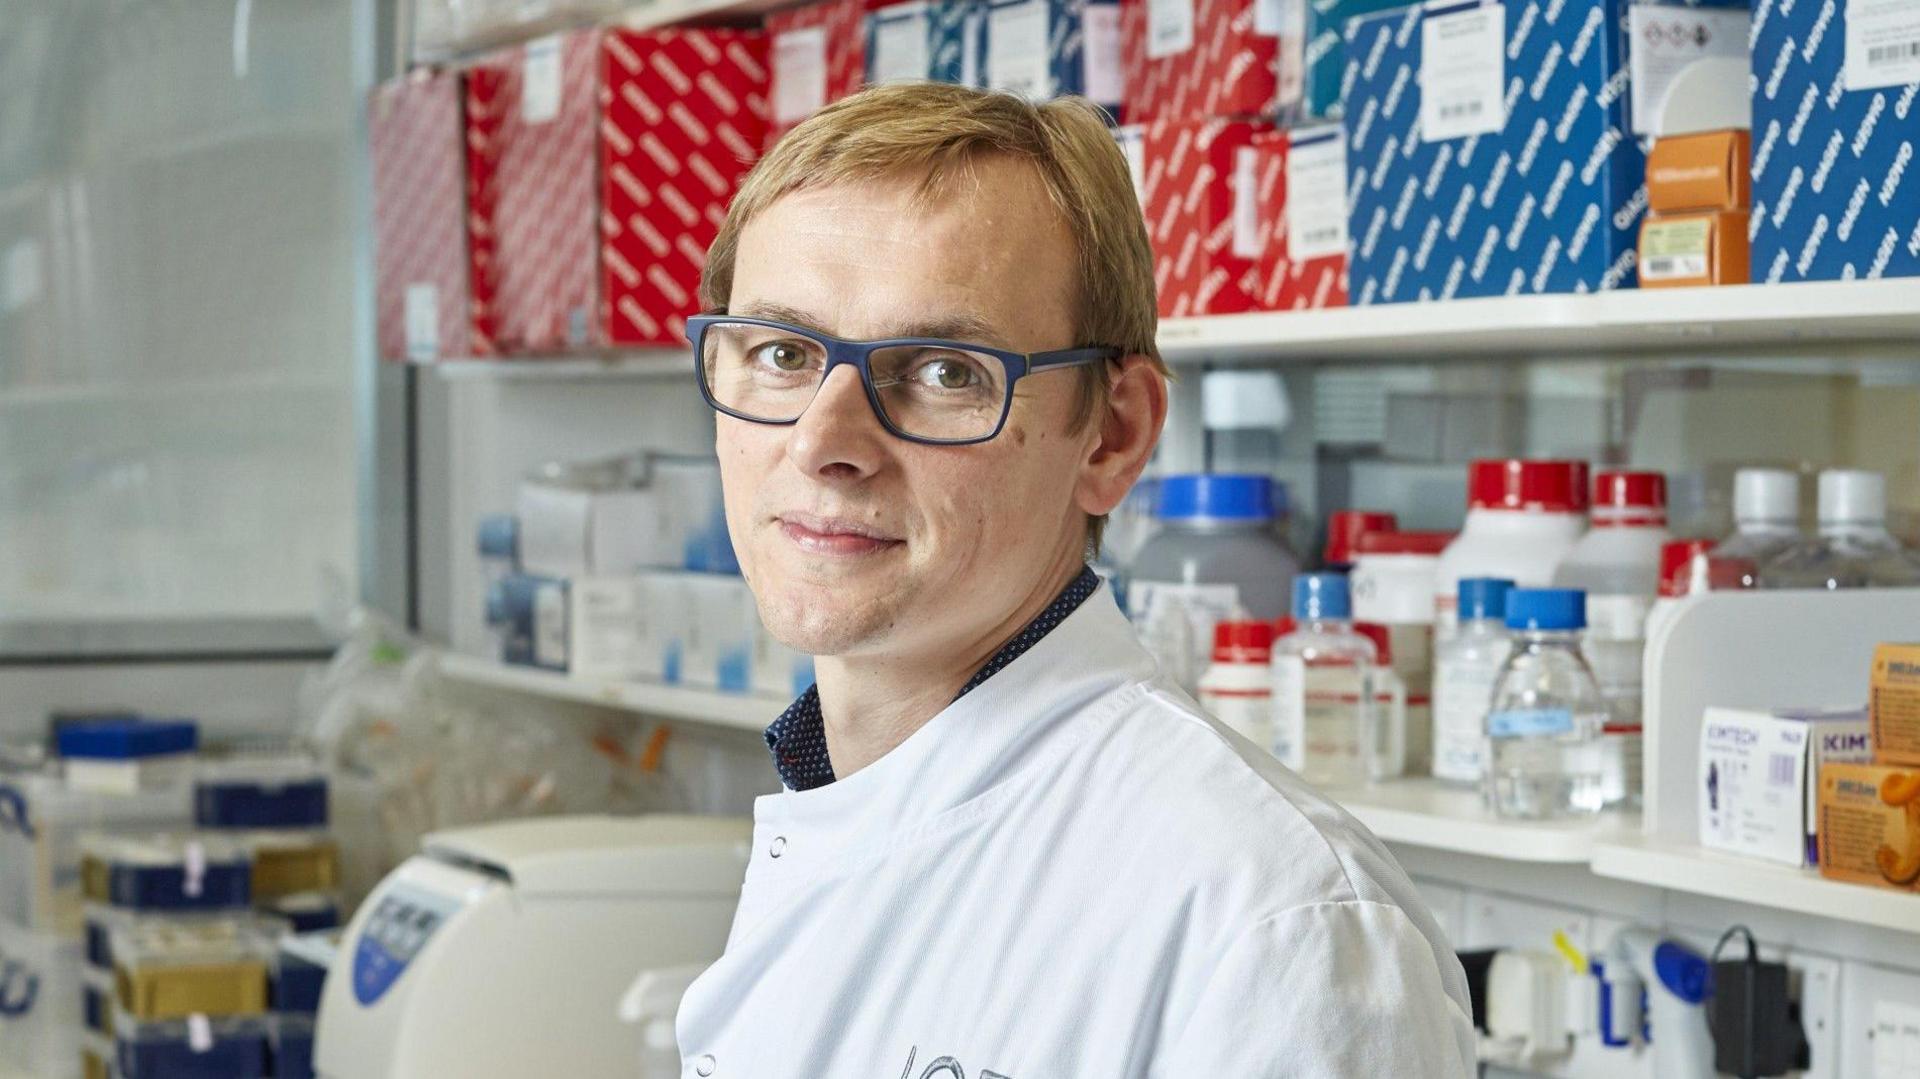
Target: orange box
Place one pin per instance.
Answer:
(1894, 705)
(1693, 249)
(1707, 171)
(1870, 825)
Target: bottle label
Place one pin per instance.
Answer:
(1462, 696)
(1618, 617)
(1290, 711)
(1529, 722)
(1248, 711)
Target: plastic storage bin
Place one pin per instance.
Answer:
(40, 1005)
(41, 825)
(291, 863)
(290, 1047)
(172, 970)
(166, 872)
(179, 1049)
(260, 792)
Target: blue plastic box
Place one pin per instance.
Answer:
(238, 1050)
(1836, 187)
(124, 739)
(260, 803)
(159, 874)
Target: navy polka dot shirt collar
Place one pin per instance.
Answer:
(798, 739)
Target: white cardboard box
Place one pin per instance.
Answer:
(1760, 777)
(604, 628)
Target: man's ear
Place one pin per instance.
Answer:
(1128, 430)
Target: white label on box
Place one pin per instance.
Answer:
(423, 322)
(970, 48)
(1104, 81)
(550, 626)
(1896, 1040)
(1290, 68)
(1666, 39)
(1169, 28)
(1677, 249)
(1246, 203)
(1463, 73)
(22, 275)
(799, 74)
(1275, 18)
(1316, 203)
(1757, 794)
(900, 46)
(603, 638)
(1017, 50)
(540, 81)
(1133, 148)
(1883, 43)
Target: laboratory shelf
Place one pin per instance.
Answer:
(734, 710)
(1690, 868)
(1429, 813)
(1631, 320)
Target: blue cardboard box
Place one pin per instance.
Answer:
(1313, 58)
(925, 39)
(1547, 198)
(1049, 48)
(1836, 189)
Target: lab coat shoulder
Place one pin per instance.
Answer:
(1294, 910)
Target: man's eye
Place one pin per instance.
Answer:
(783, 356)
(949, 374)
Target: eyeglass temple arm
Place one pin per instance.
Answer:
(1069, 357)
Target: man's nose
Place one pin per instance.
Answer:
(838, 436)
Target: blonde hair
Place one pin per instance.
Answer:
(937, 130)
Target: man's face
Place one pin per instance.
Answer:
(859, 542)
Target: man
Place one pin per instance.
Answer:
(1007, 847)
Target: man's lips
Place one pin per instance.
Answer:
(834, 535)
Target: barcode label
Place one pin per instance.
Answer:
(1461, 110)
(1893, 54)
(1882, 43)
(1463, 73)
(1780, 767)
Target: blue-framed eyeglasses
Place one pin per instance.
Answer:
(923, 389)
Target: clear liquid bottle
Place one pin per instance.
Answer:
(1544, 753)
(1854, 549)
(1766, 519)
(1326, 725)
(1465, 669)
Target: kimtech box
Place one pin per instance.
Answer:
(1488, 151)
(1836, 190)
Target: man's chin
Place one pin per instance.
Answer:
(827, 621)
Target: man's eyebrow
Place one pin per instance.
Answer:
(963, 327)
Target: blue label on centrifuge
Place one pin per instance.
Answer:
(401, 923)
(1529, 722)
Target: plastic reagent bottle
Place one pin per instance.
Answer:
(1215, 556)
(1617, 564)
(1543, 751)
(1465, 668)
(1522, 519)
(1766, 518)
(1325, 722)
(1237, 689)
(1854, 549)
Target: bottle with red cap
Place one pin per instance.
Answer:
(1345, 530)
(1692, 567)
(1237, 688)
(1617, 564)
(1522, 519)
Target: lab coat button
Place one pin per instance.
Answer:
(777, 847)
(704, 1067)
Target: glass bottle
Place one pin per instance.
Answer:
(1766, 519)
(1544, 754)
(1854, 548)
(1326, 725)
(1465, 669)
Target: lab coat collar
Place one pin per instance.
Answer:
(943, 773)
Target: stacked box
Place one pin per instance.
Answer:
(1046, 48)
(1313, 56)
(421, 267)
(1300, 210)
(924, 39)
(614, 158)
(1505, 166)
(1836, 123)
(1195, 180)
(817, 56)
(1191, 59)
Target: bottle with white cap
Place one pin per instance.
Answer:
(1766, 519)
(1854, 548)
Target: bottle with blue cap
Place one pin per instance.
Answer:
(1331, 723)
(1544, 757)
(1216, 554)
(1465, 668)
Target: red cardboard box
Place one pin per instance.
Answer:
(818, 56)
(615, 155)
(1197, 192)
(421, 266)
(1300, 211)
(1195, 59)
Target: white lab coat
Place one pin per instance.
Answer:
(1072, 873)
